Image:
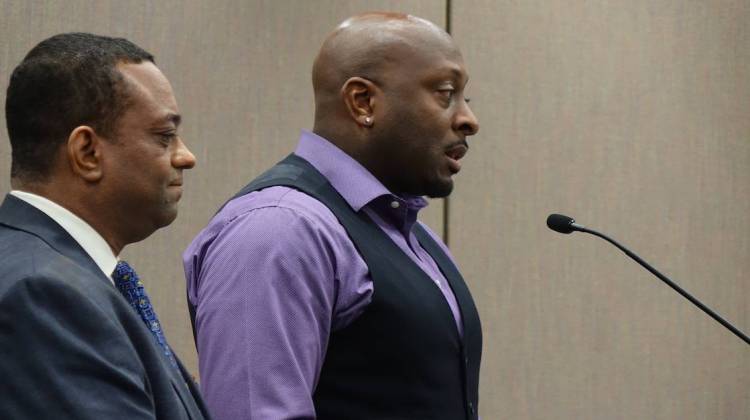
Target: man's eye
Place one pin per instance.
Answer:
(446, 94)
(167, 137)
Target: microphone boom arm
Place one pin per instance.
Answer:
(669, 282)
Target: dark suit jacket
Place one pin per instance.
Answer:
(70, 345)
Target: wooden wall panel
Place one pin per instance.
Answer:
(633, 118)
(241, 75)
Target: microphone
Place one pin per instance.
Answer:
(564, 224)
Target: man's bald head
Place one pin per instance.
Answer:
(370, 45)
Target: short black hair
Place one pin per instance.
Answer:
(65, 81)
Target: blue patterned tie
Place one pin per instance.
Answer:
(131, 287)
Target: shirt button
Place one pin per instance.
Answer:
(395, 204)
(471, 407)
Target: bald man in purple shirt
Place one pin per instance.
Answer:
(316, 291)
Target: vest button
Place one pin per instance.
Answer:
(395, 204)
(471, 407)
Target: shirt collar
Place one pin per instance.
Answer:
(355, 183)
(86, 236)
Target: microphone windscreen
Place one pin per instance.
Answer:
(560, 223)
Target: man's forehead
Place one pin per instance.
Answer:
(423, 46)
(145, 76)
(148, 86)
(411, 57)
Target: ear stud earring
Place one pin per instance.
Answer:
(368, 120)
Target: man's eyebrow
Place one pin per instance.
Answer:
(457, 73)
(450, 72)
(175, 119)
(460, 74)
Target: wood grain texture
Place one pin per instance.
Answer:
(241, 74)
(633, 118)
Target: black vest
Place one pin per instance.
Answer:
(403, 357)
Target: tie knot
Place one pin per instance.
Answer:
(128, 283)
(124, 273)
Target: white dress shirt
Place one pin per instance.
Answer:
(88, 238)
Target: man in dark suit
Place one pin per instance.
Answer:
(96, 164)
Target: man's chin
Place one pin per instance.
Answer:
(167, 216)
(439, 189)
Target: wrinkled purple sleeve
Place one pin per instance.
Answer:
(265, 276)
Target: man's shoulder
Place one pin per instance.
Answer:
(277, 197)
(25, 258)
(278, 203)
(279, 218)
(23, 254)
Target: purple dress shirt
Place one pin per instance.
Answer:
(274, 273)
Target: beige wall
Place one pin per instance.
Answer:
(630, 116)
(633, 117)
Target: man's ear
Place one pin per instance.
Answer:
(360, 98)
(84, 151)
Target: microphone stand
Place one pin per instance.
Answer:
(666, 280)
